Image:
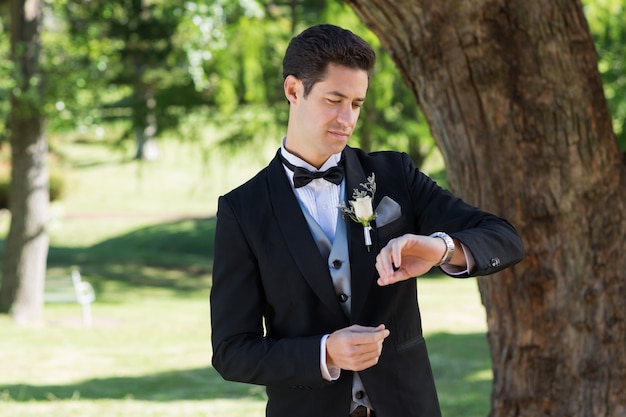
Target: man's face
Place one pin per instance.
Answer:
(321, 124)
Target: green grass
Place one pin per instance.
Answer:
(145, 244)
(454, 326)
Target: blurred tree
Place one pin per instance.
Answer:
(133, 52)
(516, 105)
(26, 246)
(5, 69)
(149, 64)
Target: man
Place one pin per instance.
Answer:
(318, 303)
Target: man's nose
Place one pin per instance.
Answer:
(348, 115)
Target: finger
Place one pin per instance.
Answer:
(383, 280)
(364, 352)
(396, 254)
(379, 332)
(357, 328)
(384, 262)
(387, 280)
(392, 277)
(389, 264)
(362, 365)
(360, 339)
(369, 356)
(360, 357)
(400, 274)
(380, 266)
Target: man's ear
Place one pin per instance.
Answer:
(292, 87)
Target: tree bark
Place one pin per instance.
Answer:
(26, 246)
(515, 103)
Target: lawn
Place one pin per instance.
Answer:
(142, 235)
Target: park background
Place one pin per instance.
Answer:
(139, 223)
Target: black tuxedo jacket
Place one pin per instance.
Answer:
(272, 297)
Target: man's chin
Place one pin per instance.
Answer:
(339, 142)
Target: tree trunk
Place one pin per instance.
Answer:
(26, 246)
(146, 125)
(515, 103)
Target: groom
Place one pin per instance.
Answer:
(318, 305)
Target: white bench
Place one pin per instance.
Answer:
(62, 289)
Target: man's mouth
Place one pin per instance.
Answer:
(340, 133)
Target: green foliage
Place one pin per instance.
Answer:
(6, 69)
(248, 81)
(127, 60)
(128, 51)
(137, 62)
(607, 22)
(123, 60)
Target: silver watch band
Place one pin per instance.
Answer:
(450, 247)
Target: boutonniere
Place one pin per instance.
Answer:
(361, 208)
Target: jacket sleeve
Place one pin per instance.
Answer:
(242, 351)
(494, 243)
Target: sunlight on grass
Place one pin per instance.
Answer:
(466, 314)
(484, 375)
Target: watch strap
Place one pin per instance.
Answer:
(450, 247)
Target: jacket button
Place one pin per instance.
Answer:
(342, 297)
(495, 262)
(336, 264)
(359, 395)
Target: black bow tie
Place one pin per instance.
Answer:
(302, 176)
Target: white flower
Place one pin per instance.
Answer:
(361, 208)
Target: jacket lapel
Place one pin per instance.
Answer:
(362, 261)
(295, 229)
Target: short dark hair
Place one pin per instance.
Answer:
(309, 53)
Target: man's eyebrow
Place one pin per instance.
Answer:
(342, 95)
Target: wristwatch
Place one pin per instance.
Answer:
(447, 256)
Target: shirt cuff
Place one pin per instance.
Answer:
(329, 373)
(457, 270)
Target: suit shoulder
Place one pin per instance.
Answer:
(379, 156)
(384, 160)
(257, 185)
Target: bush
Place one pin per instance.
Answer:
(57, 181)
(4, 192)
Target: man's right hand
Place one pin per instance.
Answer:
(355, 348)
